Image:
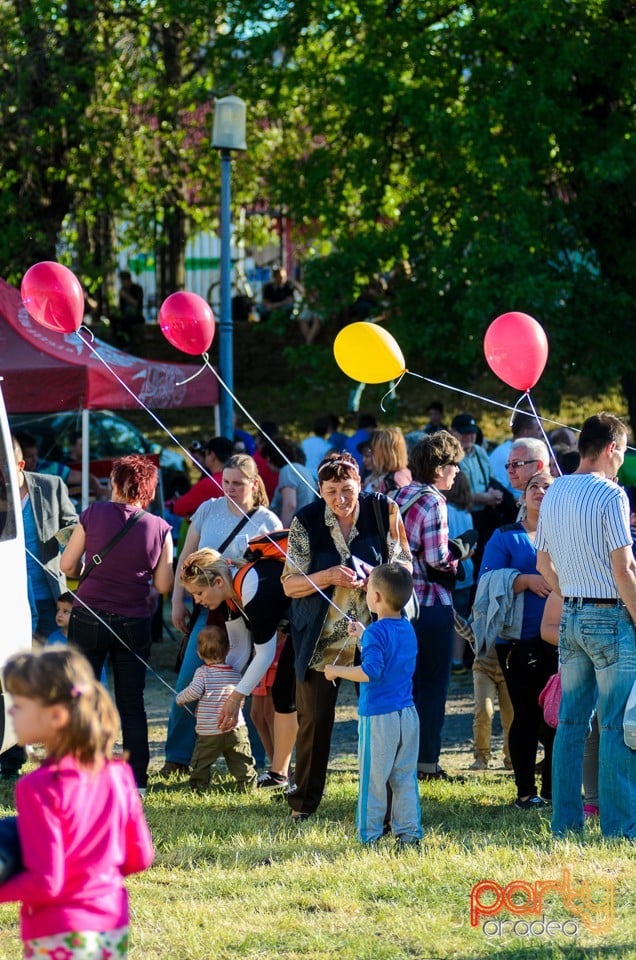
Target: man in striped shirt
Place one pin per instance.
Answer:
(584, 549)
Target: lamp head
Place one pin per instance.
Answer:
(228, 132)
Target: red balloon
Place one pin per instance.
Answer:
(187, 322)
(53, 296)
(516, 349)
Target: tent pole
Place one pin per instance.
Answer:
(85, 456)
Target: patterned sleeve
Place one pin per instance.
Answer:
(398, 546)
(298, 553)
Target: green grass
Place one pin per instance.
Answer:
(234, 878)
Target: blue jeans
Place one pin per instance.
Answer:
(435, 632)
(597, 649)
(181, 736)
(128, 660)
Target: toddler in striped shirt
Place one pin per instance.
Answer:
(211, 685)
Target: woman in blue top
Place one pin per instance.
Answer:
(528, 661)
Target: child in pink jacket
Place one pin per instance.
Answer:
(80, 819)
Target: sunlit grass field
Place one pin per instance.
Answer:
(234, 878)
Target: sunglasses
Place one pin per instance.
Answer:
(518, 463)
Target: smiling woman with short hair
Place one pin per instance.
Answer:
(333, 544)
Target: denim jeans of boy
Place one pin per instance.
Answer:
(597, 648)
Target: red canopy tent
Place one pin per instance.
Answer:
(45, 371)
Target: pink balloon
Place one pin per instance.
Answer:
(187, 322)
(516, 349)
(53, 296)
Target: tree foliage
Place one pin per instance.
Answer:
(489, 147)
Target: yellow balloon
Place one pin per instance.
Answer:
(368, 353)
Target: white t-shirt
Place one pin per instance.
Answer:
(214, 522)
(582, 520)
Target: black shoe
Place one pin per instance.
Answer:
(169, 769)
(438, 774)
(299, 816)
(271, 779)
(532, 803)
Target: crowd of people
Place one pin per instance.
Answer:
(379, 574)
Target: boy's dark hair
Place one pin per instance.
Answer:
(436, 405)
(394, 582)
(599, 431)
(66, 597)
(213, 644)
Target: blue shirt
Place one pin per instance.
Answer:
(35, 571)
(511, 547)
(389, 648)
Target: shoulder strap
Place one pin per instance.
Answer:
(406, 506)
(97, 558)
(237, 529)
(383, 530)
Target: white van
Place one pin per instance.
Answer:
(15, 614)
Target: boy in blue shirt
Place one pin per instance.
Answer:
(388, 725)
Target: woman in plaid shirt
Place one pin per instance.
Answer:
(434, 464)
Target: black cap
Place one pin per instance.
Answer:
(464, 423)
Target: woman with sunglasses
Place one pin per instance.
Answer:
(334, 543)
(434, 464)
(224, 524)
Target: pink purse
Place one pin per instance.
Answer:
(550, 700)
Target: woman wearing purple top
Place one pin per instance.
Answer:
(111, 617)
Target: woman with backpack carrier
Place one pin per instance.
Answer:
(129, 549)
(224, 524)
(251, 602)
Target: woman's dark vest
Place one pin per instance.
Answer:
(307, 614)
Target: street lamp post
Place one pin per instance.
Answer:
(228, 134)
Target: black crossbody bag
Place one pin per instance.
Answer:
(98, 558)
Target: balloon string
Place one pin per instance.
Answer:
(543, 433)
(258, 427)
(151, 413)
(182, 383)
(108, 626)
(477, 396)
(392, 389)
(523, 397)
(190, 457)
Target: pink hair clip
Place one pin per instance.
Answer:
(77, 691)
